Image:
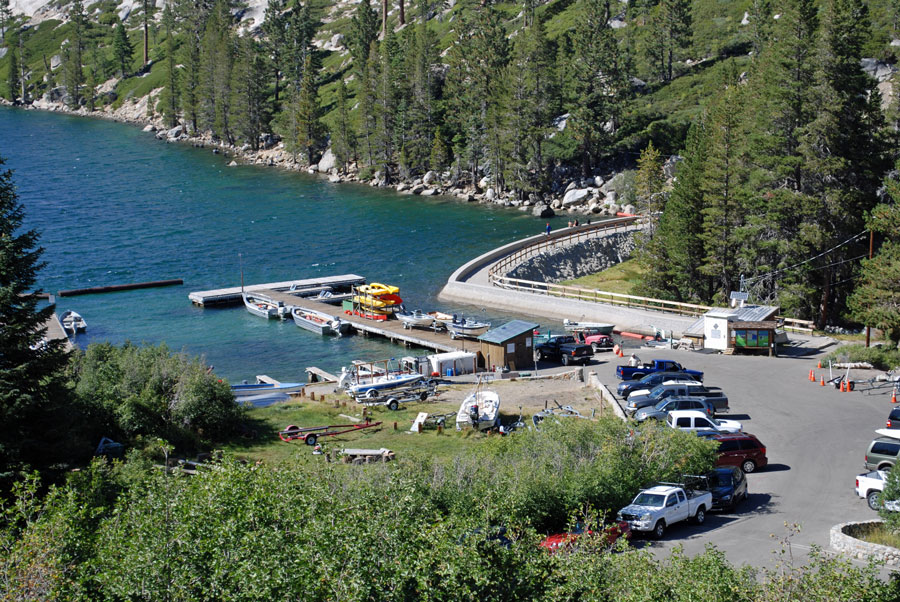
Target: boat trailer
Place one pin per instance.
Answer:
(392, 398)
(310, 434)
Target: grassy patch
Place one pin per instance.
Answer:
(881, 535)
(621, 278)
(883, 358)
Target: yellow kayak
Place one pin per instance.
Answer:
(378, 301)
(376, 289)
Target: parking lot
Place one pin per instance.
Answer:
(816, 438)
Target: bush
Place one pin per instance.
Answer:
(883, 358)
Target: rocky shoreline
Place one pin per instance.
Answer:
(597, 196)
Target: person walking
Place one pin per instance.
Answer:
(548, 229)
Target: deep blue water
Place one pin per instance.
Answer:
(114, 205)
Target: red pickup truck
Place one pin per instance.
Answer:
(596, 340)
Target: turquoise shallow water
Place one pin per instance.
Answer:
(115, 205)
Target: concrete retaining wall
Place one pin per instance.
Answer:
(843, 540)
(580, 259)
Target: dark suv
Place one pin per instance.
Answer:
(727, 484)
(882, 453)
(740, 449)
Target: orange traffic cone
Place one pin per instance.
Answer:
(842, 385)
(812, 376)
(894, 396)
(820, 365)
(822, 381)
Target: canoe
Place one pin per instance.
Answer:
(319, 322)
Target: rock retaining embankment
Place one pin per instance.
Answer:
(844, 540)
(577, 260)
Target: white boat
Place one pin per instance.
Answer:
(594, 327)
(374, 386)
(72, 322)
(467, 328)
(892, 433)
(263, 307)
(319, 322)
(480, 410)
(415, 319)
(246, 390)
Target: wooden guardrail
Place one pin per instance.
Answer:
(634, 301)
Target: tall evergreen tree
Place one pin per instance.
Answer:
(73, 55)
(189, 82)
(5, 18)
(670, 33)
(147, 9)
(366, 95)
(343, 140)
(249, 110)
(649, 182)
(12, 78)
(123, 51)
(216, 64)
(275, 28)
(31, 369)
(845, 150)
(309, 131)
(387, 101)
(298, 44)
(363, 32)
(169, 100)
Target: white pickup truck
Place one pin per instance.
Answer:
(695, 420)
(869, 485)
(657, 508)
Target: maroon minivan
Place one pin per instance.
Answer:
(740, 449)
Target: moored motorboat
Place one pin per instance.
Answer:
(72, 322)
(480, 410)
(263, 307)
(258, 389)
(415, 319)
(319, 322)
(594, 327)
(466, 327)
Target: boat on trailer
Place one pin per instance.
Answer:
(594, 327)
(466, 327)
(480, 410)
(415, 319)
(248, 390)
(319, 322)
(263, 307)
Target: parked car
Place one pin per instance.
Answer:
(893, 421)
(564, 349)
(662, 409)
(636, 393)
(727, 484)
(692, 420)
(611, 534)
(740, 449)
(714, 395)
(882, 453)
(657, 508)
(596, 340)
(638, 372)
(648, 382)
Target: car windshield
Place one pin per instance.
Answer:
(650, 499)
(657, 391)
(664, 404)
(717, 480)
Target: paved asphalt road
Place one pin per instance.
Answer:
(816, 438)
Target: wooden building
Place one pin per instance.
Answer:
(509, 346)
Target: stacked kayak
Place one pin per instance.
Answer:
(377, 298)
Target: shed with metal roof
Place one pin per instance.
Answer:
(509, 346)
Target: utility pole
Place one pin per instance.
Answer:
(871, 237)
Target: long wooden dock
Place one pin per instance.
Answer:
(226, 296)
(389, 329)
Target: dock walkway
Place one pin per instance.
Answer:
(389, 329)
(224, 296)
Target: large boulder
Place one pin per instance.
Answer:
(327, 162)
(55, 62)
(175, 132)
(429, 177)
(880, 70)
(428, 192)
(489, 194)
(575, 197)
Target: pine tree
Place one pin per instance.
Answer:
(343, 140)
(73, 55)
(189, 83)
(298, 44)
(845, 150)
(876, 299)
(147, 9)
(363, 32)
(5, 18)
(440, 157)
(31, 370)
(366, 95)
(761, 24)
(249, 111)
(386, 102)
(216, 64)
(421, 112)
(275, 28)
(649, 182)
(309, 112)
(91, 82)
(170, 97)
(12, 78)
(123, 51)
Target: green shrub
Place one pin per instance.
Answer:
(882, 357)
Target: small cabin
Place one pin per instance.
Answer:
(510, 346)
(744, 329)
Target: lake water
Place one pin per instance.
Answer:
(114, 205)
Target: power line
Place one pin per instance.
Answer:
(748, 281)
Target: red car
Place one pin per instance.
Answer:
(554, 543)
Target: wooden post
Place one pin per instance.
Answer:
(440, 429)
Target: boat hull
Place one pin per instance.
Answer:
(255, 390)
(416, 320)
(262, 307)
(480, 410)
(467, 329)
(594, 327)
(384, 383)
(319, 323)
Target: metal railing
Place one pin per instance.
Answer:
(560, 239)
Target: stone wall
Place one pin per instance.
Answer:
(583, 258)
(844, 540)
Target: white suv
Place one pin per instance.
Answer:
(693, 420)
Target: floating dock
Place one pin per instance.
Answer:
(231, 296)
(389, 329)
